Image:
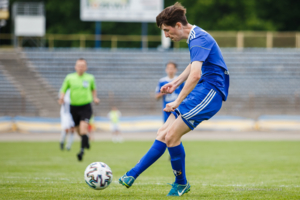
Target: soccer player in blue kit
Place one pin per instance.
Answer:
(206, 86)
(171, 69)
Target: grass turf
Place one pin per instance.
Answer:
(215, 170)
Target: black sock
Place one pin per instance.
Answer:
(87, 142)
(82, 150)
(84, 141)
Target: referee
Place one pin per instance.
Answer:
(82, 92)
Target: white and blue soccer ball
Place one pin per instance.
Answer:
(98, 175)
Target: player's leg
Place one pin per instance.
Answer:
(70, 138)
(119, 135)
(177, 153)
(114, 133)
(64, 127)
(62, 138)
(85, 116)
(156, 151)
(83, 127)
(165, 117)
(76, 116)
(202, 104)
(77, 129)
(83, 130)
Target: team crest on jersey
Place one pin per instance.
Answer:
(85, 84)
(177, 173)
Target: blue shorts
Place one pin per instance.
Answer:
(166, 115)
(201, 104)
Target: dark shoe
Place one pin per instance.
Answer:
(79, 156)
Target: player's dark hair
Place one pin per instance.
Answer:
(82, 59)
(171, 15)
(172, 63)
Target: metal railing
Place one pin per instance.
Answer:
(239, 39)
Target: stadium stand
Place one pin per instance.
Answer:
(263, 81)
(12, 102)
(32, 96)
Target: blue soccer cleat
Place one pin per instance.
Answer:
(178, 190)
(127, 181)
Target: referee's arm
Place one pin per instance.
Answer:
(95, 98)
(63, 90)
(94, 92)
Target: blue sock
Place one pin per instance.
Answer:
(155, 152)
(178, 163)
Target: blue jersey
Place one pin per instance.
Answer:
(168, 98)
(204, 48)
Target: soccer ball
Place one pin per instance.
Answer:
(98, 175)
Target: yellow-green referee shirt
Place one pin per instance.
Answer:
(80, 88)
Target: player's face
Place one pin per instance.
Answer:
(80, 67)
(171, 70)
(174, 33)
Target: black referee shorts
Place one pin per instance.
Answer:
(81, 113)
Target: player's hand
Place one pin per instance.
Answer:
(159, 95)
(61, 101)
(171, 106)
(168, 88)
(96, 100)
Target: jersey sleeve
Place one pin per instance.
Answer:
(65, 85)
(200, 48)
(157, 89)
(93, 84)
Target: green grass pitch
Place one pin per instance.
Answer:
(215, 170)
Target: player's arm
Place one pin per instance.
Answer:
(158, 93)
(64, 88)
(95, 98)
(94, 91)
(192, 80)
(171, 87)
(61, 98)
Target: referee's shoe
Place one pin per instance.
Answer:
(85, 144)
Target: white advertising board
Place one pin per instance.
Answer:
(120, 10)
(30, 26)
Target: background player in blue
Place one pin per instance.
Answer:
(171, 70)
(206, 86)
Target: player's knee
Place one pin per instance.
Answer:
(161, 134)
(170, 139)
(83, 127)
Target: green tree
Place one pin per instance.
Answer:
(63, 17)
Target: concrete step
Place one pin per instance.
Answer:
(28, 82)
